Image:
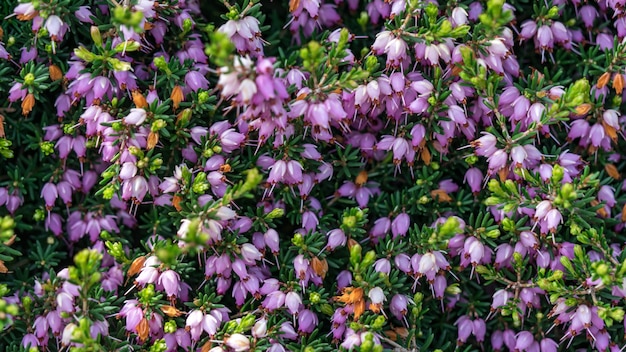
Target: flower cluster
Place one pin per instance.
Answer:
(312, 175)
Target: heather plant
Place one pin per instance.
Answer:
(312, 175)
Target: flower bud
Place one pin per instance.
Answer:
(119, 65)
(84, 54)
(355, 254)
(95, 35)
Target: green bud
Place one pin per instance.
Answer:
(314, 297)
(253, 178)
(431, 11)
(508, 225)
(84, 54)
(88, 261)
(553, 12)
(363, 20)
(119, 65)
(492, 201)
(312, 55)
(509, 207)
(359, 213)
(29, 79)
(157, 125)
(471, 160)
(435, 165)
(95, 35)
(12, 309)
(47, 148)
(127, 46)
(108, 192)
(327, 309)
(445, 29)
(494, 187)
(577, 94)
(366, 346)
(233, 14)
(453, 289)
(517, 258)
(297, 240)
(617, 100)
(135, 151)
(155, 164)
(207, 153)
(135, 20)
(418, 297)
(160, 63)
(27, 303)
(511, 186)
(567, 263)
(349, 221)
(449, 228)
(4, 290)
(187, 25)
(467, 54)
(493, 233)
(460, 31)
(247, 322)
(203, 97)
(571, 302)
(39, 215)
(481, 269)
(158, 346)
(116, 250)
(117, 126)
(147, 293)
(379, 322)
(276, 213)
(556, 275)
(516, 320)
(601, 268)
(415, 311)
(543, 284)
(575, 229)
(355, 255)
(583, 238)
(220, 48)
(616, 313)
(579, 253)
(369, 259)
(568, 192)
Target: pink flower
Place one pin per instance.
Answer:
(523, 340)
(399, 305)
(49, 194)
(54, 25)
(553, 219)
(135, 117)
(171, 282)
(400, 225)
(307, 321)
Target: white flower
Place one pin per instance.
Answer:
(238, 342)
(377, 295)
(136, 117)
